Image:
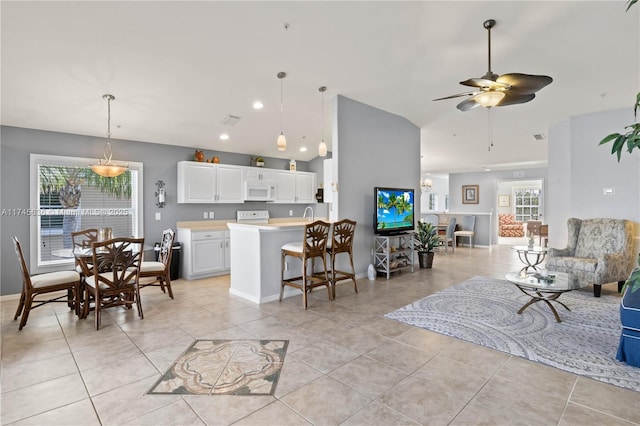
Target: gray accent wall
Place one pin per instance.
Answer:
(160, 163)
(372, 148)
(580, 170)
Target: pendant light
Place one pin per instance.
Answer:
(282, 141)
(105, 166)
(322, 148)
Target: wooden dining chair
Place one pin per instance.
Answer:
(158, 273)
(341, 242)
(116, 274)
(82, 241)
(312, 247)
(36, 285)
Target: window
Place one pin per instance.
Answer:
(66, 196)
(433, 201)
(527, 204)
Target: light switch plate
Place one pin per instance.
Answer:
(206, 215)
(158, 216)
(210, 215)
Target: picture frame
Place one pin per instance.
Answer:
(470, 194)
(504, 201)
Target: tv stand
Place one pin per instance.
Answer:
(388, 258)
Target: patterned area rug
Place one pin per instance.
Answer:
(484, 311)
(225, 367)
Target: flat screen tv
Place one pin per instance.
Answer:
(394, 210)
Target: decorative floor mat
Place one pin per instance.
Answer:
(225, 367)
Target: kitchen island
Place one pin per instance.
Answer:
(255, 258)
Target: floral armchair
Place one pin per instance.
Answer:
(508, 227)
(599, 251)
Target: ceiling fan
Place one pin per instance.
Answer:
(493, 90)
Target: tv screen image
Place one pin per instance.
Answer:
(394, 210)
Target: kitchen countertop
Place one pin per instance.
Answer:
(204, 225)
(277, 224)
(221, 225)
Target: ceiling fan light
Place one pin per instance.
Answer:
(489, 99)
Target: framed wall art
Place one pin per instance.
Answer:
(470, 194)
(503, 201)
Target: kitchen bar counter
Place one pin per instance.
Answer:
(255, 257)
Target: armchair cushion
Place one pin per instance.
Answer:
(599, 251)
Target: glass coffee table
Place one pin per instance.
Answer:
(531, 256)
(547, 288)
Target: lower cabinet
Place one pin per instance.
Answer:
(204, 253)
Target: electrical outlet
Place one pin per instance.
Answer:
(290, 212)
(210, 215)
(158, 216)
(206, 215)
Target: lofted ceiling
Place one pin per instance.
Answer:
(177, 69)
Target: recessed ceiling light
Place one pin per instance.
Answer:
(303, 149)
(224, 137)
(257, 105)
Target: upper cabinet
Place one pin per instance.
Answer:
(209, 183)
(259, 175)
(295, 187)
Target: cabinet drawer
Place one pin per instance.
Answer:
(209, 235)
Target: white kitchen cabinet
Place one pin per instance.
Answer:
(229, 187)
(196, 182)
(295, 187)
(209, 183)
(259, 175)
(204, 253)
(329, 180)
(227, 251)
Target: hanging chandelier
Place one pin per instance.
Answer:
(282, 141)
(322, 148)
(105, 166)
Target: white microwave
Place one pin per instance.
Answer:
(258, 192)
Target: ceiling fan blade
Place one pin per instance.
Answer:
(458, 95)
(525, 83)
(512, 98)
(468, 104)
(485, 83)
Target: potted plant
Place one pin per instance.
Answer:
(425, 240)
(259, 161)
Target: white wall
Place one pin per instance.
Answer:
(579, 170)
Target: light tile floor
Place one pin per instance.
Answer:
(345, 363)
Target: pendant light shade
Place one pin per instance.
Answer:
(105, 166)
(282, 141)
(322, 148)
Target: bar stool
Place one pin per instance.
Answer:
(342, 242)
(314, 245)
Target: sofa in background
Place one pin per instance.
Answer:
(508, 226)
(598, 251)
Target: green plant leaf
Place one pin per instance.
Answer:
(630, 3)
(609, 138)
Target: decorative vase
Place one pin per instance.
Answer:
(215, 159)
(199, 156)
(259, 163)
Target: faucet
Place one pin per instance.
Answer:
(305, 212)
